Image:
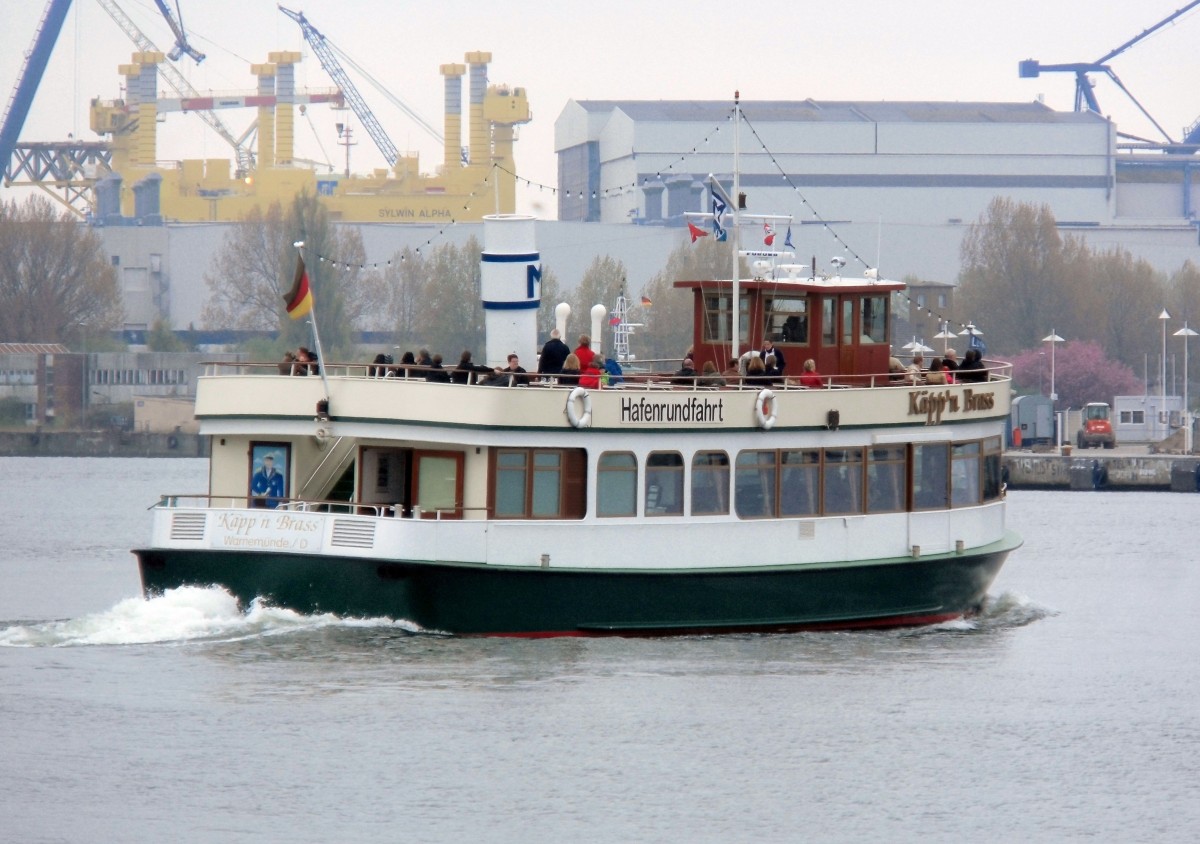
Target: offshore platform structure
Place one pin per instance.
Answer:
(97, 178)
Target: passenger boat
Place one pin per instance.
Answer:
(654, 506)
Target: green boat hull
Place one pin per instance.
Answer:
(489, 600)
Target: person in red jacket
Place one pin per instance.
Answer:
(584, 352)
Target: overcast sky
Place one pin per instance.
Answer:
(944, 50)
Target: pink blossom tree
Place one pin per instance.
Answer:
(1082, 374)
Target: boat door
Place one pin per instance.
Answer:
(385, 480)
(437, 483)
(847, 360)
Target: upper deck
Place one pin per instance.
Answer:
(240, 397)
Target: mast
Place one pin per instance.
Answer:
(735, 287)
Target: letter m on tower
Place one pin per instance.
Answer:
(533, 277)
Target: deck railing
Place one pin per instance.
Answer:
(994, 370)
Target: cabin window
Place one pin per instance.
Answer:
(847, 321)
(616, 484)
(828, 321)
(537, 483)
(843, 481)
(799, 483)
(992, 471)
(885, 479)
(754, 490)
(930, 469)
(964, 474)
(772, 484)
(718, 319)
(710, 483)
(786, 319)
(874, 319)
(664, 483)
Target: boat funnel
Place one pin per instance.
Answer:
(511, 287)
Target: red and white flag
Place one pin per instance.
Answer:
(768, 234)
(695, 231)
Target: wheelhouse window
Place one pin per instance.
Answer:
(847, 321)
(885, 478)
(828, 321)
(843, 481)
(710, 483)
(538, 483)
(874, 319)
(616, 484)
(786, 319)
(718, 317)
(664, 483)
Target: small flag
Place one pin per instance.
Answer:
(646, 302)
(787, 238)
(299, 300)
(615, 321)
(720, 204)
(695, 231)
(768, 234)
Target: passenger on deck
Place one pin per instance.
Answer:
(614, 372)
(756, 373)
(937, 375)
(466, 370)
(686, 375)
(407, 361)
(950, 360)
(436, 372)
(512, 375)
(569, 374)
(550, 362)
(810, 378)
(590, 377)
(914, 374)
(972, 369)
(710, 378)
(772, 371)
(376, 370)
(895, 370)
(288, 365)
(423, 358)
(732, 373)
(307, 362)
(769, 349)
(584, 351)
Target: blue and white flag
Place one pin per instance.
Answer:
(787, 238)
(720, 204)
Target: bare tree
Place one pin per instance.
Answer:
(56, 283)
(669, 319)
(1012, 279)
(255, 269)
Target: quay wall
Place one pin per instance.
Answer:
(1164, 472)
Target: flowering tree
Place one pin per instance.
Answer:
(1082, 374)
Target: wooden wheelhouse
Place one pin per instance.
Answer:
(842, 324)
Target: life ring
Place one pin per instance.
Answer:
(172, 442)
(764, 409)
(579, 420)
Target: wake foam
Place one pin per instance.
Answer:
(186, 614)
(998, 613)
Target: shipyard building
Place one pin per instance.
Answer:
(898, 182)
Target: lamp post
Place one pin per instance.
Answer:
(1052, 339)
(1162, 371)
(1185, 333)
(945, 335)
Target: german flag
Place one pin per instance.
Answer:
(299, 300)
